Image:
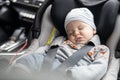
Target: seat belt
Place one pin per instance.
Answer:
(71, 61)
(74, 58)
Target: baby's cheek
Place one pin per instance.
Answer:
(71, 39)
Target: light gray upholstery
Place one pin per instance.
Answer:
(46, 27)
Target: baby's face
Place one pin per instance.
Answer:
(79, 32)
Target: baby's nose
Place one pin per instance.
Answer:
(76, 33)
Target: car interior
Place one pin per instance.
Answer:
(28, 26)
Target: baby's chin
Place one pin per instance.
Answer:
(82, 42)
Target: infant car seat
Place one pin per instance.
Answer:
(52, 13)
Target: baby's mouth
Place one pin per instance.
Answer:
(79, 39)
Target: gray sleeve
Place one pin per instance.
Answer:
(94, 71)
(27, 64)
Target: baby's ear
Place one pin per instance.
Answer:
(94, 31)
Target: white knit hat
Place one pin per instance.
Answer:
(81, 14)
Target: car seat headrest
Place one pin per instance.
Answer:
(107, 19)
(59, 11)
(103, 18)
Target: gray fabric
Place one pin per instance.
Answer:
(46, 28)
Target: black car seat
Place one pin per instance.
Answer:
(117, 55)
(52, 13)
